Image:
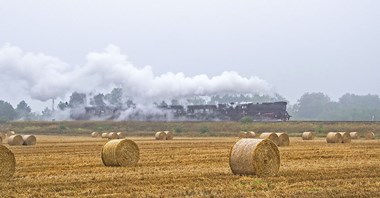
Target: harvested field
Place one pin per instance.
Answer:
(197, 167)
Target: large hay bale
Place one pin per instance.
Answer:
(346, 138)
(121, 135)
(169, 135)
(283, 139)
(29, 140)
(104, 135)
(10, 133)
(370, 136)
(307, 135)
(15, 140)
(123, 152)
(242, 134)
(250, 134)
(334, 137)
(95, 134)
(112, 135)
(255, 157)
(354, 135)
(271, 136)
(160, 135)
(7, 163)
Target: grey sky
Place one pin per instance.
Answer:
(297, 46)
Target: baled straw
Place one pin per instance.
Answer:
(112, 135)
(334, 137)
(242, 134)
(255, 157)
(123, 152)
(10, 133)
(271, 136)
(95, 134)
(7, 163)
(250, 134)
(346, 138)
(29, 139)
(104, 135)
(121, 135)
(160, 135)
(169, 135)
(1, 140)
(15, 140)
(283, 139)
(370, 136)
(307, 135)
(354, 135)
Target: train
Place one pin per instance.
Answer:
(268, 111)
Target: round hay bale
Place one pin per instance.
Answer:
(160, 135)
(15, 140)
(10, 133)
(370, 136)
(7, 163)
(29, 139)
(255, 157)
(169, 135)
(112, 135)
(104, 135)
(95, 134)
(271, 136)
(250, 134)
(121, 135)
(354, 135)
(123, 152)
(334, 137)
(283, 139)
(346, 138)
(307, 135)
(242, 134)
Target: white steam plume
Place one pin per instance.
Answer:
(43, 77)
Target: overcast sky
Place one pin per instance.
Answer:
(297, 46)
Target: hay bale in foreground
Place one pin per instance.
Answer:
(15, 140)
(123, 152)
(95, 134)
(307, 136)
(271, 136)
(354, 135)
(112, 135)
(29, 140)
(242, 134)
(255, 157)
(121, 135)
(370, 136)
(104, 135)
(160, 135)
(7, 163)
(250, 134)
(346, 138)
(334, 137)
(283, 139)
(169, 135)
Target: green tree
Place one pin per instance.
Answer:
(77, 99)
(311, 106)
(23, 110)
(7, 112)
(98, 100)
(115, 97)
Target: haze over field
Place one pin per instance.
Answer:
(49, 49)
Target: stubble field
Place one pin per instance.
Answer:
(68, 166)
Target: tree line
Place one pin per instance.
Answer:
(311, 106)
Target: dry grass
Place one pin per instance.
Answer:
(193, 167)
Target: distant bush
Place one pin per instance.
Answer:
(204, 129)
(246, 119)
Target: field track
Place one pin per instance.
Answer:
(64, 166)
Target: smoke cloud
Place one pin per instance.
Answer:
(43, 77)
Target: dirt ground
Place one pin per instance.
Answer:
(66, 166)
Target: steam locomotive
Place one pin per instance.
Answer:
(275, 111)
